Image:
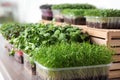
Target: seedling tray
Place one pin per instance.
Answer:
(103, 22)
(28, 66)
(76, 20)
(98, 72)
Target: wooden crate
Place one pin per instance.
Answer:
(107, 37)
(110, 38)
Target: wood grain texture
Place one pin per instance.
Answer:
(98, 41)
(116, 58)
(115, 66)
(114, 74)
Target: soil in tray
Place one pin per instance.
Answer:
(76, 21)
(59, 19)
(104, 25)
(101, 77)
(47, 17)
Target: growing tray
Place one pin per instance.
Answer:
(47, 14)
(75, 21)
(57, 15)
(103, 22)
(47, 17)
(28, 66)
(99, 72)
(18, 58)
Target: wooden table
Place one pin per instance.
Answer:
(10, 69)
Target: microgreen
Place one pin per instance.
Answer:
(72, 55)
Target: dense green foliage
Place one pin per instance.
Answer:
(29, 38)
(73, 12)
(72, 55)
(73, 6)
(13, 30)
(56, 46)
(103, 12)
(36, 35)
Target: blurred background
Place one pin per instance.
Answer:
(28, 11)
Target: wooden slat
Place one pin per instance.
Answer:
(115, 66)
(114, 74)
(117, 50)
(96, 32)
(115, 33)
(114, 42)
(56, 23)
(98, 41)
(80, 26)
(116, 58)
(116, 36)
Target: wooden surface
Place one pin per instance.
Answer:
(115, 66)
(10, 69)
(115, 74)
(116, 58)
